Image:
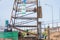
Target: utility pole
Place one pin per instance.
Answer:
(39, 31)
(48, 33)
(39, 15)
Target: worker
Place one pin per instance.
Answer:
(8, 27)
(19, 34)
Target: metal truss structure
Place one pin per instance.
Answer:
(25, 14)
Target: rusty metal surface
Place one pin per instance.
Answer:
(28, 38)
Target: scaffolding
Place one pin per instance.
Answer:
(25, 15)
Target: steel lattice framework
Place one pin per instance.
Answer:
(25, 13)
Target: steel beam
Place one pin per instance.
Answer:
(26, 2)
(24, 25)
(31, 18)
(27, 9)
(24, 31)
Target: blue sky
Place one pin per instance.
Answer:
(6, 8)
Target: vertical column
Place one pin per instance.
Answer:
(39, 30)
(48, 33)
(15, 3)
(39, 15)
